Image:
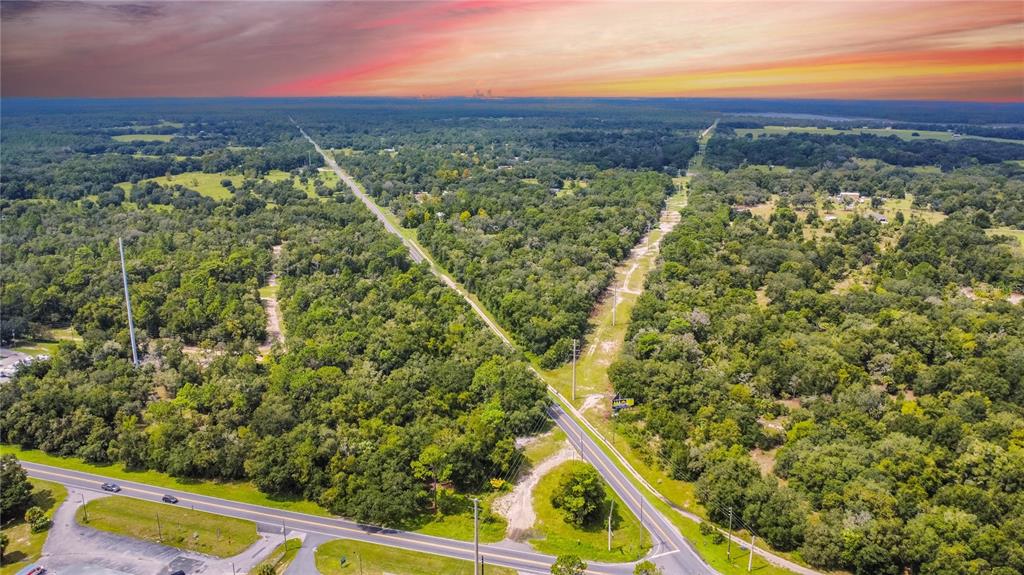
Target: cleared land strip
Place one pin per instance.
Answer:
(268, 297)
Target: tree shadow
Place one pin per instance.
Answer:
(14, 557)
(43, 498)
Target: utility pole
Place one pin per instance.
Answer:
(610, 511)
(574, 344)
(750, 560)
(360, 559)
(159, 531)
(476, 536)
(128, 304)
(728, 553)
(481, 565)
(85, 509)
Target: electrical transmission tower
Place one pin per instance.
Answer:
(128, 304)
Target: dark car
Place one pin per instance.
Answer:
(111, 487)
(178, 572)
(170, 499)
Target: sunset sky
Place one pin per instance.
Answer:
(970, 50)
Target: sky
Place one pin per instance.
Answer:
(862, 49)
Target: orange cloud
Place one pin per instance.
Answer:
(854, 49)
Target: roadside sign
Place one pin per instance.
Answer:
(622, 402)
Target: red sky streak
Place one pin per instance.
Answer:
(856, 49)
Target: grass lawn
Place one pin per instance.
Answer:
(460, 526)
(371, 559)
(144, 137)
(171, 525)
(25, 546)
(269, 291)
(591, 544)
(282, 555)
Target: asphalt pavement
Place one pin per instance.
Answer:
(276, 520)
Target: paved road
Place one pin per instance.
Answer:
(414, 250)
(671, 550)
(527, 562)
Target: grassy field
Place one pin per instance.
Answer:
(629, 541)
(901, 134)
(25, 546)
(1014, 233)
(144, 137)
(455, 526)
(171, 525)
(546, 446)
(48, 342)
(269, 291)
(460, 526)
(206, 184)
(891, 206)
(210, 186)
(35, 346)
(370, 559)
(282, 555)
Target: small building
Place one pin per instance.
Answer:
(831, 217)
(880, 218)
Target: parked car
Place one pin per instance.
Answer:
(170, 499)
(111, 487)
(37, 571)
(178, 572)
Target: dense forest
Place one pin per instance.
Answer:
(839, 394)
(848, 387)
(536, 242)
(382, 360)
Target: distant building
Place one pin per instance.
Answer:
(878, 217)
(831, 217)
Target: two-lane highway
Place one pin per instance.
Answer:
(280, 520)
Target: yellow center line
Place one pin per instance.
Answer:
(626, 492)
(382, 536)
